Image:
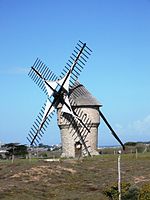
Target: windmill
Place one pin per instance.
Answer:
(79, 139)
(57, 90)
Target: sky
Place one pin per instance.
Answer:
(117, 73)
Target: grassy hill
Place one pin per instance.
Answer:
(70, 179)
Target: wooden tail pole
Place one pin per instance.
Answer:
(111, 129)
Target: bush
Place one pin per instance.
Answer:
(112, 192)
(128, 192)
(132, 193)
(140, 147)
(130, 143)
(145, 192)
(44, 155)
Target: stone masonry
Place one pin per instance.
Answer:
(88, 108)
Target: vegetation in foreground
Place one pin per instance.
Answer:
(71, 179)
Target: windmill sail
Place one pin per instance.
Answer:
(39, 72)
(40, 125)
(77, 61)
(57, 89)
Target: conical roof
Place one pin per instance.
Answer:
(81, 96)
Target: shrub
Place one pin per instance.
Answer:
(44, 155)
(132, 193)
(128, 192)
(145, 192)
(140, 147)
(130, 143)
(112, 192)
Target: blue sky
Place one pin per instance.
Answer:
(117, 73)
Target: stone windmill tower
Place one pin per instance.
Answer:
(76, 139)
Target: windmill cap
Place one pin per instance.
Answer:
(82, 96)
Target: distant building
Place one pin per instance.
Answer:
(3, 153)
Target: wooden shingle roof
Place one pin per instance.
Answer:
(81, 96)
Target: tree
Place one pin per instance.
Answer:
(16, 149)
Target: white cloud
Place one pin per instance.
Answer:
(118, 126)
(15, 70)
(138, 130)
(141, 126)
(21, 70)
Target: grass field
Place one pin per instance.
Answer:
(70, 179)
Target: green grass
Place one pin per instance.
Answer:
(70, 179)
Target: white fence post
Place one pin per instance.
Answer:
(119, 174)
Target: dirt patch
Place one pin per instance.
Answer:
(71, 170)
(140, 179)
(36, 173)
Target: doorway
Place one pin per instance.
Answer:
(78, 149)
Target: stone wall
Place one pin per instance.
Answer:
(69, 137)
